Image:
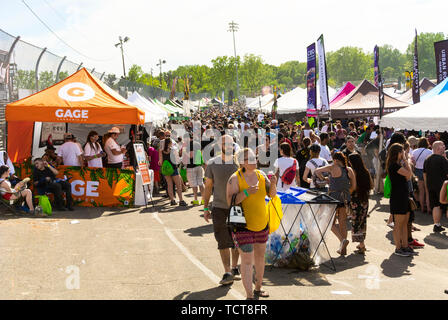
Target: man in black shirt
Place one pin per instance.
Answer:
(435, 172)
(45, 180)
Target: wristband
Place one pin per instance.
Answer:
(206, 209)
(246, 193)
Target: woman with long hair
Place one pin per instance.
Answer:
(399, 173)
(93, 152)
(250, 188)
(419, 156)
(359, 204)
(9, 193)
(342, 184)
(175, 177)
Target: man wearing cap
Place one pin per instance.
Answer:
(70, 153)
(115, 153)
(51, 157)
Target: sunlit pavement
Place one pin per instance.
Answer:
(169, 253)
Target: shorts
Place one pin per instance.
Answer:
(246, 239)
(195, 176)
(7, 196)
(419, 174)
(220, 228)
(434, 198)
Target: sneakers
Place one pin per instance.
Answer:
(182, 203)
(409, 250)
(402, 253)
(173, 202)
(236, 274)
(414, 244)
(438, 228)
(227, 279)
(195, 202)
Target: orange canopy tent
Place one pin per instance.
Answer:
(80, 98)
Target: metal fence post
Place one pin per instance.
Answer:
(59, 69)
(37, 69)
(79, 67)
(8, 58)
(102, 75)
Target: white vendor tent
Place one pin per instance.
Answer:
(429, 115)
(153, 113)
(262, 103)
(292, 102)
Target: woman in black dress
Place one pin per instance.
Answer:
(399, 173)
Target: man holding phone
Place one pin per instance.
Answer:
(45, 181)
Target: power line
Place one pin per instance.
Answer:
(57, 36)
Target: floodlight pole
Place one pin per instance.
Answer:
(233, 27)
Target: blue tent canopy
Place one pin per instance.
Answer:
(438, 89)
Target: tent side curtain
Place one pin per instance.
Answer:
(20, 139)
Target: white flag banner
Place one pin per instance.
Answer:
(324, 105)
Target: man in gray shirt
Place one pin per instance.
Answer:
(218, 172)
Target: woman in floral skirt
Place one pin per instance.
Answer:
(359, 205)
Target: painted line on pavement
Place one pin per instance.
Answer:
(213, 277)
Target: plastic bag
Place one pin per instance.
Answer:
(167, 168)
(387, 187)
(275, 212)
(45, 204)
(183, 174)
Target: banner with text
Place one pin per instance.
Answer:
(416, 80)
(376, 58)
(140, 155)
(441, 51)
(323, 83)
(311, 81)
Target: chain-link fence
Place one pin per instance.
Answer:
(26, 69)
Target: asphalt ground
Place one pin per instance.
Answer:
(166, 252)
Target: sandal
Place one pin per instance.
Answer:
(261, 293)
(361, 250)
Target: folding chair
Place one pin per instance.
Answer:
(11, 205)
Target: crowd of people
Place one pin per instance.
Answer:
(237, 157)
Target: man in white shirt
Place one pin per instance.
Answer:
(324, 150)
(115, 153)
(326, 127)
(70, 153)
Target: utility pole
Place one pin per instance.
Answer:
(160, 64)
(233, 27)
(126, 39)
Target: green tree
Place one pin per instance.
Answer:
(349, 64)
(46, 79)
(26, 79)
(426, 55)
(391, 62)
(111, 80)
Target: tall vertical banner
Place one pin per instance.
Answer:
(415, 80)
(323, 83)
(274, 107)
(376, 68)
(441, 51)
(311, 110)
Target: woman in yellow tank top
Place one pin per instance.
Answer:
(251, 187)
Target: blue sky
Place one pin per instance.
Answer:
(195, 31)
